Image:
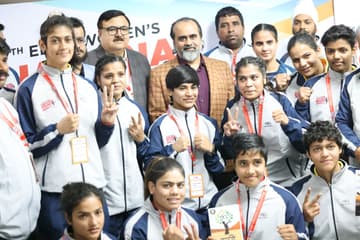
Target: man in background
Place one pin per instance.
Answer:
(85, 70)
(113, 30)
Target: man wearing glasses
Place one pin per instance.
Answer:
(113, 29)
(85, 70)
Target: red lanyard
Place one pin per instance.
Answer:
(62, 100)
(165, 224)
(14, 125)
(191, 152)
(256, 214)
(260, 114)
(330, 99)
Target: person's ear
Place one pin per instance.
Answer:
(42, 46)
(68, 219)
(151, 187)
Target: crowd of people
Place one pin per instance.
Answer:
(97, 145)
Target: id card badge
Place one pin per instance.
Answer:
(196, 182)
(79, 150)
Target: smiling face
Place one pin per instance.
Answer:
(325, 156)
(250, 168)
(231, 31)
(339, 55)
(59, 47)
(114, 74)
(169, 190)
(250, 81)
(184, 96)
(306, 60)
(87, 219)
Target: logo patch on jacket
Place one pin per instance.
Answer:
(170, 139)
(47, 104)
(320, 100)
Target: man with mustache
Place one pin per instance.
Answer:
(85, 70)
(305, 19)
(7, 90)
(216, 84)
(113, 30)
(232, 46)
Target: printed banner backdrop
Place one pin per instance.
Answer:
(150, 23)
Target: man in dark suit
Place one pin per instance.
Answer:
(113, 30)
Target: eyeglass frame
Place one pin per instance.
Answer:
(124, 30)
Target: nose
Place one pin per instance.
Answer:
(174, 190)
(230, 28)
(302, 62)
(324, 152)
(250, 170)
(248, 82)
(336, 55)
(93, 220)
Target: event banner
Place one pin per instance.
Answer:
(150, 23)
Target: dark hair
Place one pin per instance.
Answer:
(157, 168)
(256, 61)
(4, 47)
(184, 19)
(228, 11)
(246, 142)
(74, 193)
(322, 130)
(339, 32)
(179, 75)
(303, 38)
(76, 23)
(2, 27)
(109, 14)
(104, 60)
(264, 27)
(50, 23)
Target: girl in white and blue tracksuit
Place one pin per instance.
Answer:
(337, 218)
(43, 101)
(146, 223)
(123, 155)
(181, 121)
(324, 100)
(164, 179)
(162, 134)
(280, 207)
(284, 142)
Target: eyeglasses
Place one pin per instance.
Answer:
(80, 40)
(112, 30)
